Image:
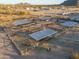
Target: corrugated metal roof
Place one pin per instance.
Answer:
(21, 22)
(69, 23)
(42, 34)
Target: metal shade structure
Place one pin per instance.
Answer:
(21, 22)
(42, 34)
(69, 23)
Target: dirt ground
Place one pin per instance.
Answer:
(8, 51)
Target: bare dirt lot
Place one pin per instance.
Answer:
(8, 51)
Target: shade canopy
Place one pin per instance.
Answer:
(21, 22)
(69, 23)
(42, 34)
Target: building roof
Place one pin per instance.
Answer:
(69, 23)
(45, 18)
(21, 22)
(56, 27)
(42, 34)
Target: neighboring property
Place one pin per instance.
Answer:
(74, 17)
(69, 24)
